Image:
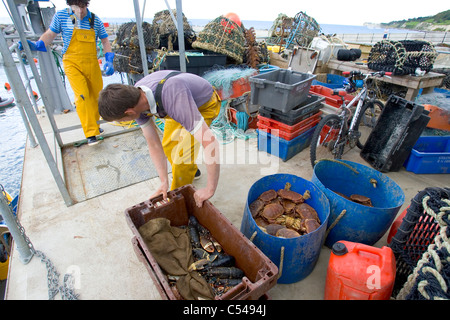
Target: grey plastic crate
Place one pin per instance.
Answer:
(280, 89)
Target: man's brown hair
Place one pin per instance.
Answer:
(80, 3)
(115, 99)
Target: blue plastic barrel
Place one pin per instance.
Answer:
(359, 223)
(300, 254)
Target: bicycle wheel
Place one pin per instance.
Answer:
(370, 112)
(323, 142)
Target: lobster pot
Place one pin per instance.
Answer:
(126, 46)
(359, 223)
(402, 57)
(295, 257)
(166, 30)
(224, 36)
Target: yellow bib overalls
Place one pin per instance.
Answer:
(85, 77)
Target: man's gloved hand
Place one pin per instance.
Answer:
(108, 68)
(34, 46)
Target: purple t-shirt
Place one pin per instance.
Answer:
(181, 96)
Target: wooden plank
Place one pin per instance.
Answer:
(429, 81)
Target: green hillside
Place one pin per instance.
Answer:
(438, 22)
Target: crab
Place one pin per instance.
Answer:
(309, 225)
(272, 211)
(273, 228)
(256, 207)
(287, 233)
(288, 206)
(268, 196)
(290, 195)
(361, 200)
(306, 211)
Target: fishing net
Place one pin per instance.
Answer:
(224, 36)
(224, 129)
(222, 78)
(422, 248)
(402, 57)
(126, 47)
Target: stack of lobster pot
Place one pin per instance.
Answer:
(288, 114)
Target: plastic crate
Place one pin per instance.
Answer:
(430, 155)
(282, 148)
(238, 88)
(399, 126)
(304, 110)
(196, 64)
(252, 121)
(280, 89)
(260, 273)
(284, 131)
(330, 99)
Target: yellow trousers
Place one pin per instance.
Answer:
(181, 148)
(85, 77)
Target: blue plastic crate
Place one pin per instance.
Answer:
(282, 148)
(430, 154)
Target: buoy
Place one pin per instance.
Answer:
(35, 95)
(35, 60)
(233, 17)
(7, 86)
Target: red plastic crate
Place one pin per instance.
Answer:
(285, 131)
(330, 99)
(252, 121)
(238, 88)
(334, 134)
(274, 124)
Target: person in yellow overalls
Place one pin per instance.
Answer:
(80, 29)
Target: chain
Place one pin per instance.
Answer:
(66, 290)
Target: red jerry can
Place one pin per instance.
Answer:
(360, 272)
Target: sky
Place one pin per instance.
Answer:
(323, 11)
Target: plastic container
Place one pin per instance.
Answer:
(431, 155)
(395, 225)
(439, 117)
(330, 99)
(285, 131)
(238, 88)
(283, 148)
(299, 254)
(310, 106)
(280, 89)
(196, 64)
(360, 272)
(252, 121)
(360, 223)
(333, 81)
(260, 272)
(399, 126)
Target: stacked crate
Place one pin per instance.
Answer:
(288, 115)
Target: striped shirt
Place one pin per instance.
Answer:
(62, 23)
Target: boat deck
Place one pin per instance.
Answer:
(92, 240)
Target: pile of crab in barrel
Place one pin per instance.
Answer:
(284, 213)
(210, 260)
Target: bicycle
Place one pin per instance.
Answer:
(336, 131)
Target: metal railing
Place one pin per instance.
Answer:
(371, 38)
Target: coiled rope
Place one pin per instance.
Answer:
(430, 279)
